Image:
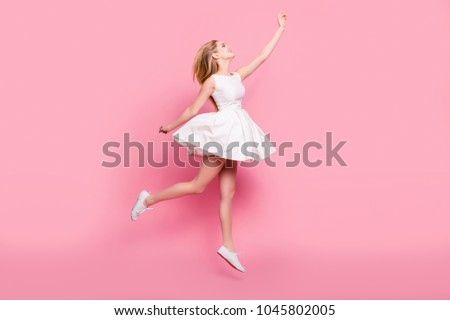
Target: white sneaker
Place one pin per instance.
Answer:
(231, 258)
(139, 206)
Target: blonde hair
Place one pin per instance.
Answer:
(205, 65)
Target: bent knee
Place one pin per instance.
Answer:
(198, 188)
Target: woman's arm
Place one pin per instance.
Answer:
(247, 70)
(206, 90)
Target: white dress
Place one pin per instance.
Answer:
(228, 133)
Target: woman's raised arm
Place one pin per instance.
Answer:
(247, 70)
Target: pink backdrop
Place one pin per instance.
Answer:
(77, 74)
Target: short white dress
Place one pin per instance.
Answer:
(229, 133)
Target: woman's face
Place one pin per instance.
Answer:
(224, 51)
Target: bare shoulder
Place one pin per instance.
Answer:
(209, 85)
(241, 74)
(210, 79)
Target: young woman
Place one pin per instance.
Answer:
(229, 130)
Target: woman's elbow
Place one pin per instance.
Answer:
(263, 57)
(191, 112)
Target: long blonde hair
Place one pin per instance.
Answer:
(205, 65)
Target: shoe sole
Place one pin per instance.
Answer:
(136, 215)
(229, 262)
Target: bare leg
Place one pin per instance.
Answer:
(209, 168)
(227, 178)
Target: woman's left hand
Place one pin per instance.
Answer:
(164, 129)
(282, 17)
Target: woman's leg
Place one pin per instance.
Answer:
(227, 178)
(209, 168)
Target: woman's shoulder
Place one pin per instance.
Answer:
(213, 79)
(210, 83)
(210, 80)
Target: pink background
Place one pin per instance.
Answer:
(76, 74)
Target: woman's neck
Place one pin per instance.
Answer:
(223, 68)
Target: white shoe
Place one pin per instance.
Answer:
(139, 206)
(231, 258)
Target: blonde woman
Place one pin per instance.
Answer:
(220, 138)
